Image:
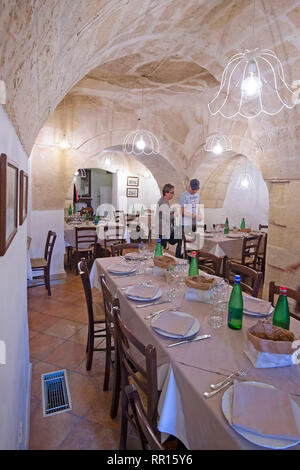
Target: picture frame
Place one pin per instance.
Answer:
(9, 178)
(23, 197)
(132, 181)
(132, 192)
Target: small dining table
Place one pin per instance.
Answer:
(220, 244)
(70, 235)
(185, 372)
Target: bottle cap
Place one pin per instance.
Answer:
(283, 290)
(158, 240)
(194, 253)
(237, 278)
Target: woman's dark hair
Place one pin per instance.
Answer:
(167, 188)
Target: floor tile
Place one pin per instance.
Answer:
(92, 436)
(67, 355)
(63, 328)
(42, 345)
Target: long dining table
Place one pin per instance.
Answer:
(185, 372)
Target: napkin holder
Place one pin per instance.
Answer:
(269, 346)
(161, 264)
(198, 288)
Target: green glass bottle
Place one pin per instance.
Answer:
(74, 209)
(226, 227)
(235, 306)
(193, 269)
(70, 210)
(243, 225)
(133, 210)
(158, 249)
(281, 315)
(142, 210)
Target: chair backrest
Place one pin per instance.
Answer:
(262, 226)
(211, 263)
(84, 274)
(146, 435)
(109, 301)
(119, 216)
(85, 237)
(250, 249)
(51, 237)
(291, 293)
(138, 365)
(117, 250)
(113, 233)
(251, 280)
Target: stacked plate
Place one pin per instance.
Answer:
(174, 324)
(121, 268)
(134, 256)
(143, 293)
(257, 307)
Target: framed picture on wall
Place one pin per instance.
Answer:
(132, 192)
(23, 202)
(132, 181)
(8, 202)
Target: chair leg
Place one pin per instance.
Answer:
(90, 350)
(107, 364)
(116, 389)
(124, 418)
(47, 280)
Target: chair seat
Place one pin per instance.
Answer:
(247, 260)
(84, 250)
(99, 315)
(38, 263)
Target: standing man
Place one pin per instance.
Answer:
(190, 209)
(166, 219)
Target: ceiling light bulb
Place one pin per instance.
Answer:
(76, 173)
(217, 149)
(251, 85)
(107, 161)
(64, 143)
(140, 143)
(245, 182)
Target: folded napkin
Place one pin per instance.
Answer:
(263, 411)
(144, 292)
(121, 268)
(170, 322)
(254, 305)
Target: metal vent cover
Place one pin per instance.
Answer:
(55, 393)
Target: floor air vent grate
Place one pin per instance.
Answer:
(55, 393)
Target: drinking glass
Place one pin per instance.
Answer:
(217, 314)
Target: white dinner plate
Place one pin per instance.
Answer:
(112, 269)
(140, 299)
(263, 441)
(208, 235)
(234, 236)
(134, 256)
(192, 332)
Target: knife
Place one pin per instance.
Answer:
(189, 340)
(153, 303)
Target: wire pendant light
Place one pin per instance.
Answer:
(245, 181)
(252, 83)
(141, 141)
(218, 143)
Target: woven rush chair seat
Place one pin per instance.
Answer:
(38, 262)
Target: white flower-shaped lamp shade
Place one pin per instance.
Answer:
(218, 143)
(252, 83)
(141, 142)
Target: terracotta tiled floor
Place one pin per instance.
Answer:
(57, 335)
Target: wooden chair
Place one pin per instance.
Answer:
(263, 226)
(139, 366)
(209, 262)
(249, 251)
(112, 360)
(291, 293)
(117, 250)
(113, 236)
(251, 280)
(261, 257)
(145, 433)
(43, 264)
(119, 217)
(96, 315)
(85, 245)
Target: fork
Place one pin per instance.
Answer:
(152, 315)
(239, 373)
(211, 394)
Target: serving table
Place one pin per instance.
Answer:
(185, 372)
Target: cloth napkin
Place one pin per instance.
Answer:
(121, 268)
(170, 322)
(263, 411)
(253, 305)
(143, 292)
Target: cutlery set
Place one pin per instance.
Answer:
(224, 383)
